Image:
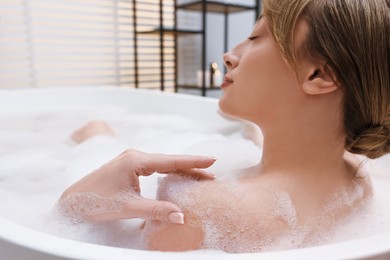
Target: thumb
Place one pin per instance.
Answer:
(157, 210)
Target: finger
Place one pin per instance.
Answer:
(157, 210)
(170, 163)
(134, 184)
(195, 173)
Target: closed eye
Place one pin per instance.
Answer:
(251, 38)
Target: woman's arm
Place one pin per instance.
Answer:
(112, 191)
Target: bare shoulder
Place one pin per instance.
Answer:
(271, 212)
(223, 215)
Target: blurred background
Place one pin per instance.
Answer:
(170, 45)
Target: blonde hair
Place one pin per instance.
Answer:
(353, 38)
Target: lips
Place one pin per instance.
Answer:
(226, 82)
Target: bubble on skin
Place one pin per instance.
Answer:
(284, 208)
(83, 206)
(345, 197)
(224, 232)
(251, 236)
(113, 233)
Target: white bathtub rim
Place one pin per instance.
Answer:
(93, 89)
(102, 88)
(19, 99)
(49, 244)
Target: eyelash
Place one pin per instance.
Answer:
(253, 38)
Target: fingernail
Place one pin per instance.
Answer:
(212, 175)
(176, 217)
(213, 158)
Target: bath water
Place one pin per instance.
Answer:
(38, 161)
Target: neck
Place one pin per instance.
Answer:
(311, 143)
(286, 153)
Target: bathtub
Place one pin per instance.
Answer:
(19, 242)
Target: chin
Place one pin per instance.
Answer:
(227, 111)
(224, 106)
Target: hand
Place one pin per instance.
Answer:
(112, 192)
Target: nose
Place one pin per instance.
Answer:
(231, 60)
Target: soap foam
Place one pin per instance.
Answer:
(84, 206)
(230, 224)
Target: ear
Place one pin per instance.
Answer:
(319, 79)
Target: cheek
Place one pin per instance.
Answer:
(239, 101)
(241, 98)
(263, 66)
(266, 77)
(261, 80)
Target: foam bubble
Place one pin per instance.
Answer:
(81, 206)
(284, 208)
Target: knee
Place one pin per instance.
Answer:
(93, 128)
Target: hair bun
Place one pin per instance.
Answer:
(372, 141)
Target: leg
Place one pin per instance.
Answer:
(91, 129)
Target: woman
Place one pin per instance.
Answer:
(314, 76)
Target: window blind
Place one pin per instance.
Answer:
(79, 42)
(148, 44)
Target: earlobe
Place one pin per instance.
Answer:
(319, 82)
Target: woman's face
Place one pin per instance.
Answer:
(258, 84)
